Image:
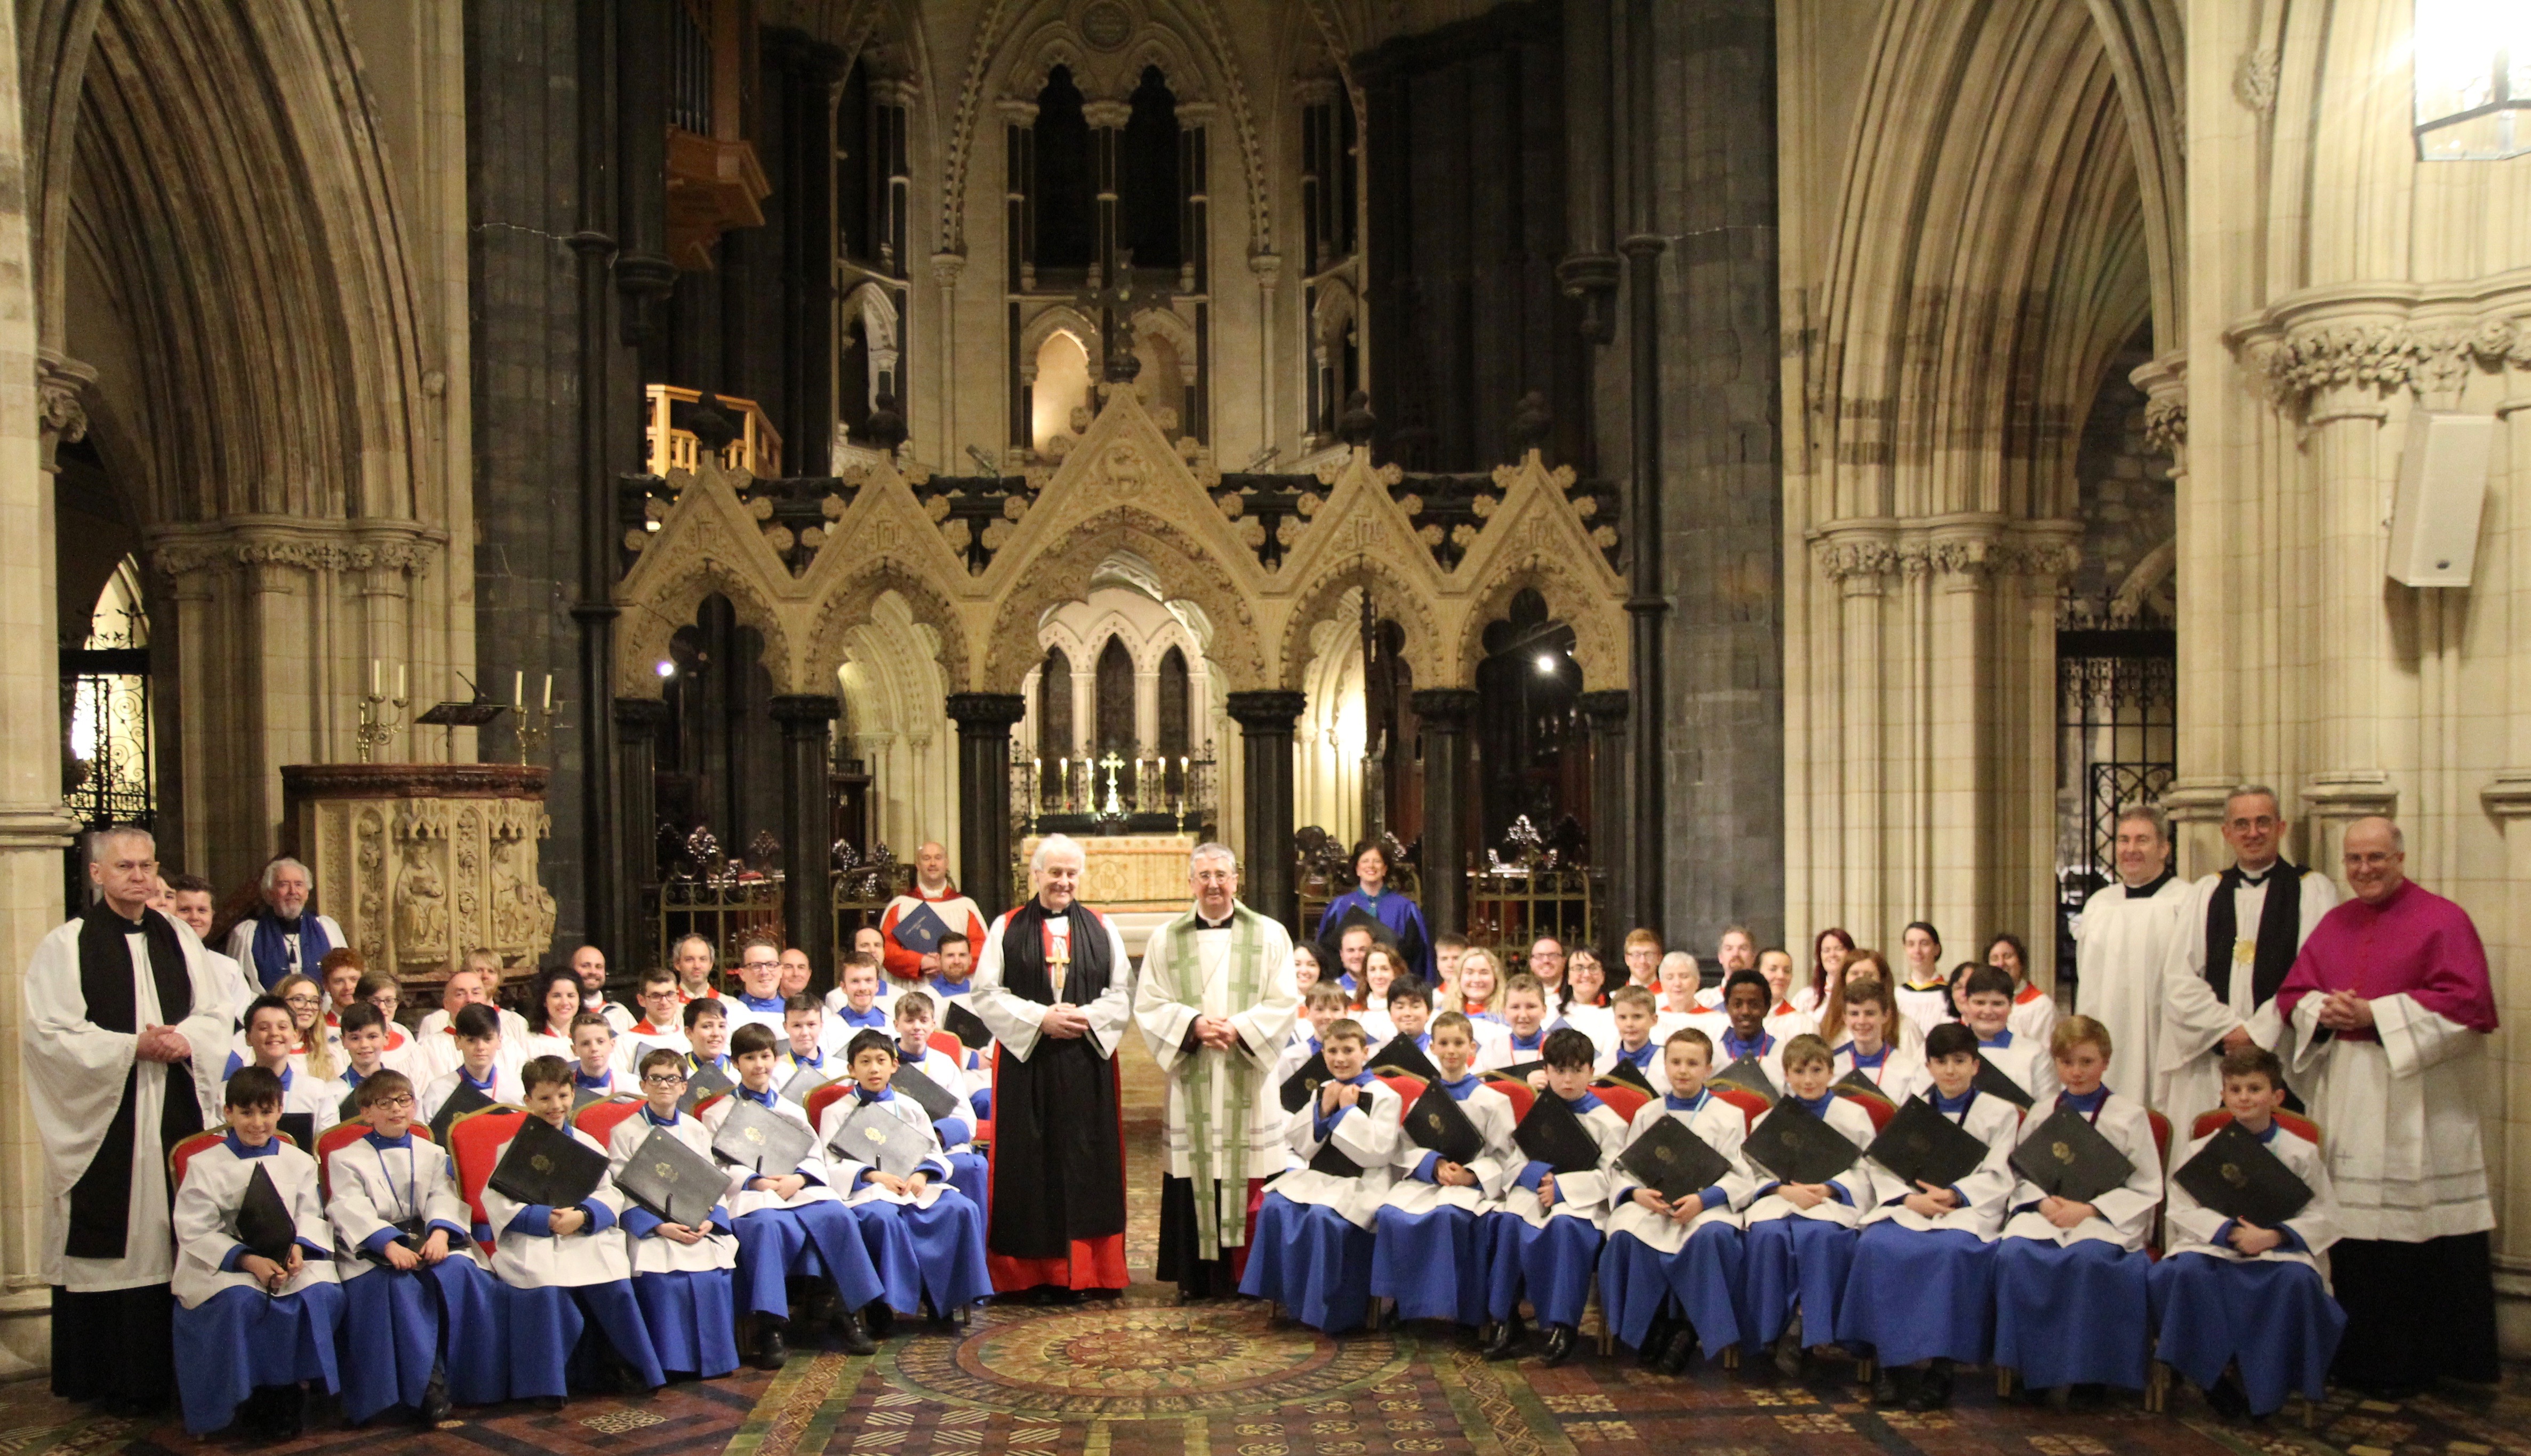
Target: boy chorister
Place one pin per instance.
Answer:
(1525, 1014)
(1986, 1004)
(2244, 1310)
(662, 1021)
(1746, 1000)
(270, 1035)
(2070, 1295)
(362, 1036)
(707, 1033)
(1548, 1235)
(399, 1051)
(1800, 1239)
(941, 1227)
(415, 1282)
(914, 1013)
(792, 1223)
(1867, 1048)
(808, 1042)
(251, 1329)
(565, 1273)
(1312, 1251)
(1429, 1247)
(681, 1274)
(1322, 1006)
(595, 1068)
(1633, 1013)
(1671, 1277)
(1921, 1296)
(857, 1003)
(482, 1063)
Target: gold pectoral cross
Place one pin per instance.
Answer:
(1058, 959)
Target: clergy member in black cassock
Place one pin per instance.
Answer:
(1053, 985)
(124, 1016)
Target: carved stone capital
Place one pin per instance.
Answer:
(397, 549)
(61, 384)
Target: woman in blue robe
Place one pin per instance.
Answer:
(1395, 914)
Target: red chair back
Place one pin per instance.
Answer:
(1520, 1094)
(825, 1097)
(1880, 1110)
(1751, 1106)
(476, 1141)
(181, 1156)
(2208, 1123)
(705, 1104)
(343, 1135)
(1625, 1101)
(951, 1047)
(600, 1118)
(1408, 1088)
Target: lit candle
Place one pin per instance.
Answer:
(518, 690)
(373, 677)
(548, 691)
(400, 693)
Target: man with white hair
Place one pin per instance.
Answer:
(909, 934)
(1215, 1001)
(282, 938)
(127, 1030)
(2239, 932)
(1055, 990)
(2120, 949)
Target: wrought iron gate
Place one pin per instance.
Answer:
(2117, 744)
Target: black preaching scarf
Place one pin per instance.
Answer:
(1058, 1141)
(2280, 933)
(101, 1199)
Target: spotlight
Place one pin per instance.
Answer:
(1547, 664)
(667, 669)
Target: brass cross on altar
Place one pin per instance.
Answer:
(1114, 805)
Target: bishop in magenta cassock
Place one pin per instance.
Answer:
(2391, 1009)
(1054, 987)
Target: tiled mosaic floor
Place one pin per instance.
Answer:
(1138, 1377)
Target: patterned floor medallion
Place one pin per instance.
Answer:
(1133, 1361)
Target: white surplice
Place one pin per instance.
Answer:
(2194, 1023)
(1161, 1009)
(2119, 955)
(75, 1075)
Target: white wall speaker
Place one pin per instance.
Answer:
(2443, 486)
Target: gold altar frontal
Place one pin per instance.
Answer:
(1130, 872)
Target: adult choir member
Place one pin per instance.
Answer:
(2120, 949)
(903, 958)
(2391, 1003)
(127, 1030)
(283, 937)
(1215, 1002)
(1397, 914)
(191, 899)
(2239, 932)
(1055, 990)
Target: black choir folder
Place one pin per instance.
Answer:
(1400, 1054)
(1750, 1074)
(967, 1026)
(1551, 1133)
(2069, 1158)
(1672, 1161)
(1995, 1082)
(263, 1222)
(702, 1083)
(465, 1099)
(1626, 1074)
(936, 1100)
(761, 1141)
(671, 1180)
(1303, 1084)
(544, 1164)
(1856, 1084)
(1437, 1123)
(1796, 1145)
(1922, 1145)
(2235, 1175)
(880, 1139)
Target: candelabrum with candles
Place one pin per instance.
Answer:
(536, 730)
(378, 724)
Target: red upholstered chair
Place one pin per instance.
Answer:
(1751, 1106)
(1408, 1088)
(950, 1047)
(1880, 1110)
(476, 1141)
(825, 1097)
(1516, 1089)
(600, 1118)
(181, 1156)
(340, 1136)
(2293, 1122)
(1625, 1101)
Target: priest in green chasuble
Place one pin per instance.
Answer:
(1216, 1003)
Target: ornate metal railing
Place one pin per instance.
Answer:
(858, 892)
(1510, 905)
(724, 912)
(1323, 870)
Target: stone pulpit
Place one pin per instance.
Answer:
(421, 863)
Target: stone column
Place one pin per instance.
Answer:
(1446, 713)
(1606, 711)
(1266, 720)
(985, 722)
(637, 721)
(808, 917)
